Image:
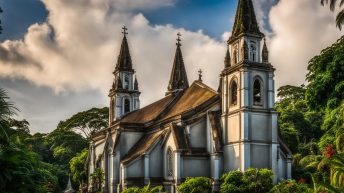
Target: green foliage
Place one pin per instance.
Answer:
(195, 185)
(251, 181)
(87, 122)
(290, 186)
(298, 124)
(77, 167)
(146, 189)
(326, 78)
(98, 177)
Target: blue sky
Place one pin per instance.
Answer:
(213, 17)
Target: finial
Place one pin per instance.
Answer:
(200, 75)
(125, 29)
(178, 39)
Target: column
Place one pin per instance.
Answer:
(146, 168)
(245, 145)
(289, 160)
(177, 168)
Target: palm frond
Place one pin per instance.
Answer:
(340, 19)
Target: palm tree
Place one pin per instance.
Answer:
(7, 109)
(340, 16)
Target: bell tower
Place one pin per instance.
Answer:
(247, 92)
(124, 94)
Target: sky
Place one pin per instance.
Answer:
(57, 57)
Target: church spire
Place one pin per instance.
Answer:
(178, 80)
(227, 59)
(245, 21)
(265, 53)
(124, 62)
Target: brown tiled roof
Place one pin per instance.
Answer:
(215, 122)
(142, 146)
(149, 112)
(197, 94)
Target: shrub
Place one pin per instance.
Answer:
(146, 189)
(195, 185)
(252, 180)
(290, 186)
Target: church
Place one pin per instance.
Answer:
(194, 130)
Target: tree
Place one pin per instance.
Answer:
(195, 185)
(7, 109)
(250, 181)
(87, 122)
(77, 168)
(0, 21)
(97, 178)
(340, 16)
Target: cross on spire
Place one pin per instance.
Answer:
(200, 75)
(125, 29)
(178, 39)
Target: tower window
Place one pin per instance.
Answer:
(236, 54)
(257, 93)
(169, 158)
(126, 82)
(126, 106)
(234, 93)
(253, 49)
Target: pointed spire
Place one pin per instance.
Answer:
(245, 21)
(136, 84)
(227, 59)
(124, 59)
(178, 79)
(265, 53)
(200, 75)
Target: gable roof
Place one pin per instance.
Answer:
(142, 146)
(172, 105)
(197, 94)
(149, 112)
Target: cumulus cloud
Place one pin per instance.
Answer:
(76, 48)
(301, 29)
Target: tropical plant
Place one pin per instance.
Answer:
(291, 186)
(340, 16)
(7, 109)
(77, 168)
(195, 185)
(98, 177)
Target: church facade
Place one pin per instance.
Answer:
(194, 130)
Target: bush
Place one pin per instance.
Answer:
(252, 180)
(195, 185)
(146, 189)
(290, 186)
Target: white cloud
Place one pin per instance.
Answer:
(76, 49)
(301, 29)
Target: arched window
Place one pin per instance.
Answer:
(234, 93)
(253, 49)
(126, 106)
(169, 164)
(257, 92)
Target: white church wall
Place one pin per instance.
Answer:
(233, 131)
(198, 134)
(260, 156)
(135, 169)
(99, 148)
(194, 167)
(127, 140)
(260, 127)
(231, 159)
(155, 162)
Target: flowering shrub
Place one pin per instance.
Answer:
(329, 151)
